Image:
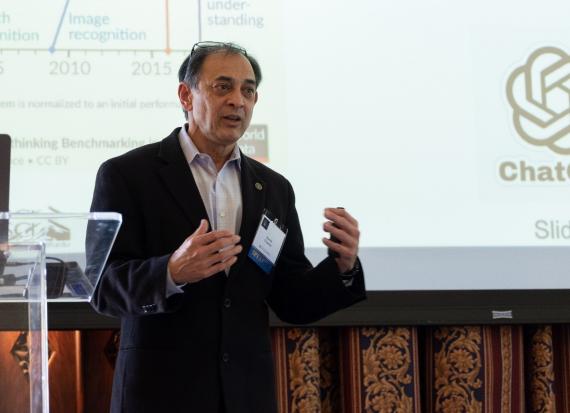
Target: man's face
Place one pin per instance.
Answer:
(220, 107)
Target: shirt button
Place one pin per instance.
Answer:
(227, 303)
(222, 214)
(226, 357)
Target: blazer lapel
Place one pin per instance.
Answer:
(178, 178)
(253, 201)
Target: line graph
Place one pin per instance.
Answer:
(101, 77)
(65, 19)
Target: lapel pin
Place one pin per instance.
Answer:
(258, 186)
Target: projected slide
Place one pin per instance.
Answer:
(82, 81)
(438, 126)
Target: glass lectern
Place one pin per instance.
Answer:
(43, 258)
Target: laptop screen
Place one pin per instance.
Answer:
(4, 171)
(4, 183)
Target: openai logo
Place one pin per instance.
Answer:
(539, 93)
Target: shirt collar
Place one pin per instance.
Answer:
(191, 152)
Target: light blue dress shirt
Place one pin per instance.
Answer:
(220, 191)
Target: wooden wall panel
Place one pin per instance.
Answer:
(14, 386)
(98, 362)
(65, 372)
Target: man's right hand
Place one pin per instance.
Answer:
(203, 254)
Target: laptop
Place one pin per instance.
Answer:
(4, 192)
(5, 144)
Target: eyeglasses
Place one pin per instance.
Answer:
(218, 45)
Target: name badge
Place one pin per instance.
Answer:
(268, 241)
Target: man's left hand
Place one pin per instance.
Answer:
(345, 229)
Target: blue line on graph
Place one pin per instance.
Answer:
(52, 47)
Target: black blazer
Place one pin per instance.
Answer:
(187, 352)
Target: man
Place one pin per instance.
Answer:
(193, 304)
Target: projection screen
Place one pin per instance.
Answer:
(442, 126)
